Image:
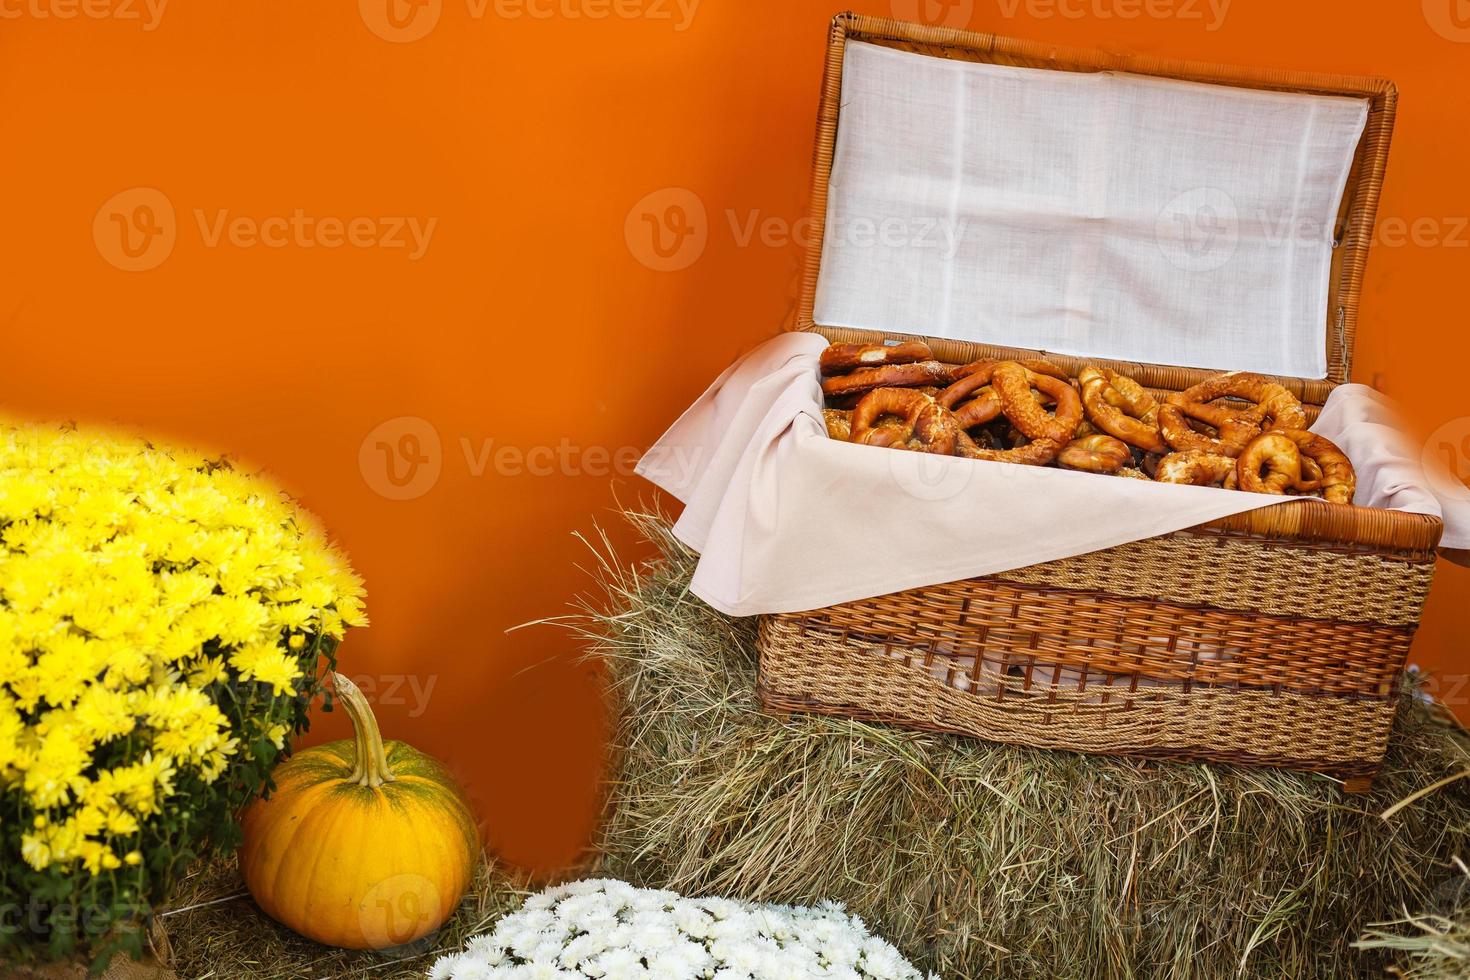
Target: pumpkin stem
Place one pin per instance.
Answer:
(371, 766)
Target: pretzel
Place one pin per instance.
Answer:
(1272, 401)
(1036, 452)
(1311, 475)
(1132, 474)
(1194, 467)
(1338, 481)
(1035, 366)
(915, 375)
(1234, 428)
(1121, 407)
(1095, 454)
(839, 424)
(1272, 463)
(904, 419)
(983, 407)
(1013, 383)
(841, 358)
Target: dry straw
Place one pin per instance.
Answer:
(977, 859)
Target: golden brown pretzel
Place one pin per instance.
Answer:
(1037, 452)
(839, 423)
(1006, 386)
(1339, 481)
(1035, 366)
(1132, 474)
(841, 358)
(1272, 463)
(904, 419)
(1121, 407)
(1272, 401)
(1311, 480)
(971, 398)
(1194, 467)
(1013, 383)
(1095, 454)
(915, 375)
(1234, 427)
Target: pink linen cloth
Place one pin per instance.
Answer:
(786, 519)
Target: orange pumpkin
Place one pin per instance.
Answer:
(362, 845)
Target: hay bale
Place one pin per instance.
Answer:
(978, 859)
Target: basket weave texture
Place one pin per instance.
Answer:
(1272, 638)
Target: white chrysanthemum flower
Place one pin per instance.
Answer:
(610, 930)
(443, 968)
(882, 960)
(487, 948)
(469, 968)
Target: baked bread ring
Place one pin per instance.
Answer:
(1037, 452)
(1013, 383)
(839, 424)
(1035, 366)
(1095, 454)
(841, 358)
(1132, 474)
(903, 419)
(915, 375)
(970, 411)
(1311, 480)
(1272, 463)
(1194, 467)
(1234, 428)
(1122, 408)
(1273, 401)
(1339, 481)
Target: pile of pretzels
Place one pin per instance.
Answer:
(1239, 431)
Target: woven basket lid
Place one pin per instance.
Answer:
(994, 194)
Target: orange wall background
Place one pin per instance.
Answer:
(533, 311)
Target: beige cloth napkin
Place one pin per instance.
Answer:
(786, 519)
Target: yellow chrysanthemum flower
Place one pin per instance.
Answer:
(137, 584)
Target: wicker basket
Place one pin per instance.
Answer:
(1275, 637)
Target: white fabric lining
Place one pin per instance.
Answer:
(1093, 214)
